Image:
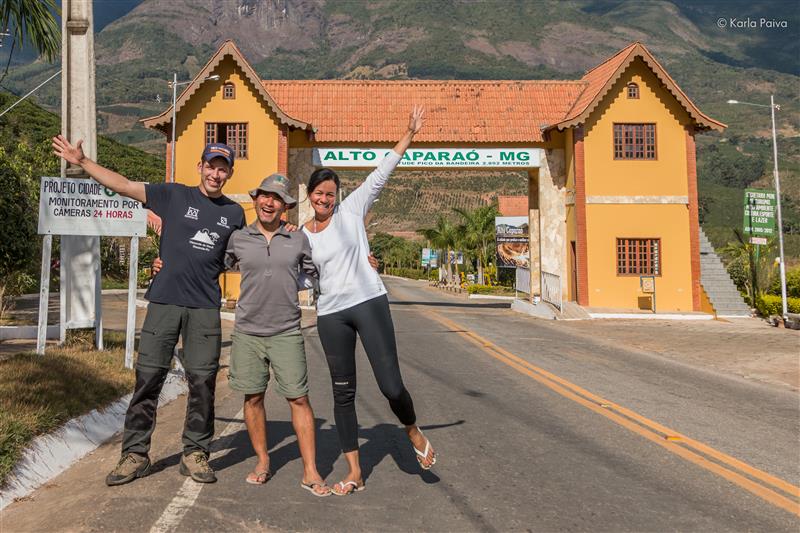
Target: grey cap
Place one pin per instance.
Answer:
(279, 184)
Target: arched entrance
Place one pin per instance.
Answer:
(545, 176)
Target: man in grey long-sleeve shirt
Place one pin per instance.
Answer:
(267, 331)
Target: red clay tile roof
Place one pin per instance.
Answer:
(228, 48)
(512, 206)
(601, 78)
(456, 111)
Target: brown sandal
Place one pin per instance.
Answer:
(312, 484)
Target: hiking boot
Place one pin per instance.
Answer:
(196, 465)
(129, 467)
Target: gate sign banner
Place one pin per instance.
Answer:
(79, 206)
(760, 206)
(511, 239)
(431, 157)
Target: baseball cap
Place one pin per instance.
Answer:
(279, 184)
(213, 150)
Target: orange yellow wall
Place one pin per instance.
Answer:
(665, 176)
(670, 223)
(207, 105)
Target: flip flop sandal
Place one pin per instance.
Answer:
(422, 455)
(343, 488)
(258, 478)
(310, 488)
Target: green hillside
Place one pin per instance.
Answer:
(29, 128)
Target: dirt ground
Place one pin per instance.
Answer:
(746, 347)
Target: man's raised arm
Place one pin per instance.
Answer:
(105, 177)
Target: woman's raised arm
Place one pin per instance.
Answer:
(361, 199)
(415, 122)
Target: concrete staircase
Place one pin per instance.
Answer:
(717, 283)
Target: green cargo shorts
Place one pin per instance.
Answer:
(252, 356)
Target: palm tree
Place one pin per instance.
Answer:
(478, 231)
(33, 22)
(443, 237)
(753, 260)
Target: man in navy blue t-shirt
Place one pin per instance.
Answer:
(184, 302)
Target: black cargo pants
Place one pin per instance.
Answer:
(201, 334)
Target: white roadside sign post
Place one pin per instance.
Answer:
(76, 206)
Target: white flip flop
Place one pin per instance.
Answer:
(423, 455)
(343, 486)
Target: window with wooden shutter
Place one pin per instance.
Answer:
(638, 257)
(635, 141)
(234, 134)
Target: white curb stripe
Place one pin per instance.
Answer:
(49, 455)
(183, 501)
(649, 316)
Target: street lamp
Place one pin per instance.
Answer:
(772, 106)
(174, 84)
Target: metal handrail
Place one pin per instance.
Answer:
(522, 280)
(551, 289)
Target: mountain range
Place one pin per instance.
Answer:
(716, 50)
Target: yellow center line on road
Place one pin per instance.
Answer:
(665, 437)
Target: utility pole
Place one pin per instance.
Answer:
(776, 177)
(80, 256)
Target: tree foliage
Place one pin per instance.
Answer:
(33, 22)
(444, 237)
(18, 203)
(750, 265)
(725, 165)
(477, 232)
(395, 252)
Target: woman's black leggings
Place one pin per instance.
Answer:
(337, 332)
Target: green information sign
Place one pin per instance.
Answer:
(760, 206)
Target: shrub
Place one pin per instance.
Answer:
(13, 285)
(792, 283)
(769, 304)
(739, 274)
(410, 273)
(487, 289)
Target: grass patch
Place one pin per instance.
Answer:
(114, 283)
(495, 290)
(40, 393)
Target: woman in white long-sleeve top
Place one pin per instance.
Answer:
(353, 301)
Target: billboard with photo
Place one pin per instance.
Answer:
(512, 242)
(429, 258)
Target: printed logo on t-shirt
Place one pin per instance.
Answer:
(223, 221)
(192, 213)
(204, 240)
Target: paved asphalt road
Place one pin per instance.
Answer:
(536, 431)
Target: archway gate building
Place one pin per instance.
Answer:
(610, 157)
